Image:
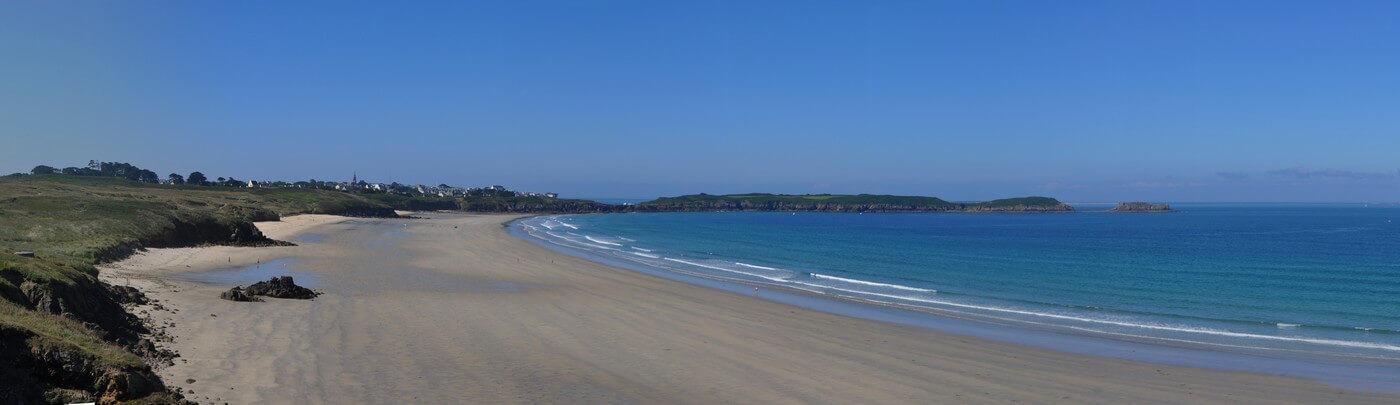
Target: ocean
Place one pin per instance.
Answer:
(1276, 279)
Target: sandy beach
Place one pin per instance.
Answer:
(453, 309)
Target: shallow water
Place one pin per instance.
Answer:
(245, 275)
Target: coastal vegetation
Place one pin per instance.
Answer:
(67, 333)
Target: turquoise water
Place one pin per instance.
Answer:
(1293, 279)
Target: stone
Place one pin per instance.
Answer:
(238, 294)
(281, 287)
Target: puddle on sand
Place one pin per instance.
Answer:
(250, 274)
(310, 238)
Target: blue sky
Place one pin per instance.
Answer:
(966, 100)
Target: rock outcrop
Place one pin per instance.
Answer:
(281, 287)
(277, 287)
(238, 294)
(53, 374)
(1141, 207)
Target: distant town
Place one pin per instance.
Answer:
(131, 172)
(357, 185)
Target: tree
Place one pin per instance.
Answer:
(147, 176)
(197, 178)
(41, 169)
(176, 179)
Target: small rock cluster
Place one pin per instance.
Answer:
(277, 287)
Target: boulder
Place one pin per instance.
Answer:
(238, 294)
(281, 287)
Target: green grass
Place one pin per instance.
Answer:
(53, 332)
(67, 219)
(40, 270)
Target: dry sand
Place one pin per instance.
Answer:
(455, 310)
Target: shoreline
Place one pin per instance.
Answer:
(454, 306)
(1361, 373)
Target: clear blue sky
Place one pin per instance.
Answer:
(1080, 100)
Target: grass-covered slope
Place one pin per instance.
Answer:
(80, 219)
(844, 203)
(65, 332)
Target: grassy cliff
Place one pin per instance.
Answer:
(65, 333)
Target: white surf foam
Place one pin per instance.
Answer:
(595, 240)
(939, 302)
(644, 250)
(724, 269)
(578, 242)
(645, 255)
(1169, 328)
(755, 267)
(871, 283)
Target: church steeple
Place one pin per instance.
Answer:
(354, 178)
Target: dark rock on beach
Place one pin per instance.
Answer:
(277, 287)
(281, 287)
(237, 294)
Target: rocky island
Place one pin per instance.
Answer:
(842, 203)
(1139, 206)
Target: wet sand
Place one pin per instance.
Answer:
(453, 309)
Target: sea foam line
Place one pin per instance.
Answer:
(601, 241)
(644, 250)
(1329, 342)
(724, 269)
(576, 242)
(754, 267)
(871, 283)
(1319, 341)
(645, 255)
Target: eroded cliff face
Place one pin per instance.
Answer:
(50, 369)
(86, 300)
(193, 232)
(36, 373)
